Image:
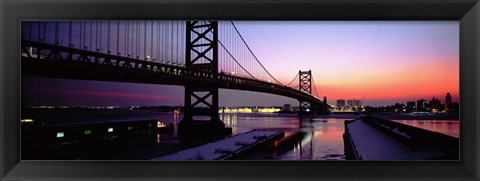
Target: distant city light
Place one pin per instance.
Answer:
(160, 124)
(249, 110)
(268, 110)
(87, 132)
(110, 130)
(130, 128)
(26, 120)
(60, 135)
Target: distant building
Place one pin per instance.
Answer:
(340, 103)
(448, 99)
(421, 105)
(399, 107)
(411, 106)
(354, 103)
(435, 105)
(449, 105)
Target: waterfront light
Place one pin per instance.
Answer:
(87, 132)
(26, 120)
(110, 130)
(268, 110)
(60, 134)
(130, 128)
(160, 124)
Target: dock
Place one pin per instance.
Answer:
(226, 148)
(373, 138)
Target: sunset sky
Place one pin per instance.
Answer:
(389, 62)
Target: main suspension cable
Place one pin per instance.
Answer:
(253, 53)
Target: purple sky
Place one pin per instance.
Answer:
(388, 61)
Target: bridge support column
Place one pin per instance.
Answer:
(305, 84)
(201, 117)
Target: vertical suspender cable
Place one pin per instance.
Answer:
(45, 32)
(100, 37)
(56, 33)
(81, 34)
(96, 36)
(164, 39)
(100, 33)
(84, 35)
(145, 40)
(151, 40)
(138, 40)
(125, 52)
(127, 27)
(69, 34)
(158, 41)
(84, 30)
(38, 27)
(118, 37)
(178, 43)
(108, 37)
(91, 31)
(30, 23)
(134, 38)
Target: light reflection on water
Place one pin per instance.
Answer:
(448, 127)
(323, 138)
(322, 141)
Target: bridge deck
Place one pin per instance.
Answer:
(225, 148)
(71, 63)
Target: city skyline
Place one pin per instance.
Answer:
(422, 54)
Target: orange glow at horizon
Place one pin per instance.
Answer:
(402, 83)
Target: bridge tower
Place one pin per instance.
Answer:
(305, 84)
(201, 61)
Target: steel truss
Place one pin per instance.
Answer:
(201, 61)
(305, 85)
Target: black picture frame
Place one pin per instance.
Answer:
(466, 11)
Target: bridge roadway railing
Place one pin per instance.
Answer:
(64, 62)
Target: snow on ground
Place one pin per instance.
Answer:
(372, 144)
(218, 149)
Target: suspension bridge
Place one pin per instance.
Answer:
(202, 56)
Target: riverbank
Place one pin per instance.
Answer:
(395, 116)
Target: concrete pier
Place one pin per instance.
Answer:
(226, 148)
(373, 138)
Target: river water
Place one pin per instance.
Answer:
(321, 137)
